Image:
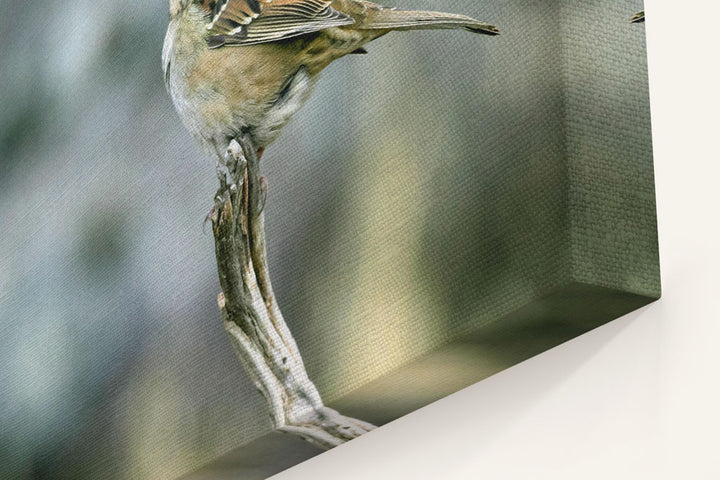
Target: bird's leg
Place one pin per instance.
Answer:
(220, 164)
(235, 160)
(245, 202)
(238, 164)
(220, 171)
(237, 167)
(264, 189)
(263, 181)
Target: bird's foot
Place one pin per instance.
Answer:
(235, 161)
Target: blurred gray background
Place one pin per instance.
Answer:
(444, 147)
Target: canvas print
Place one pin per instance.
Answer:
(238, 233)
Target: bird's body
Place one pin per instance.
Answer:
(246, 66)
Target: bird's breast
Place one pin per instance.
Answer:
(256, 89)
(225, 91)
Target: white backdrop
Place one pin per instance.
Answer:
(638, 398)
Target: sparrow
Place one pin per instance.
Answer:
(244, 67)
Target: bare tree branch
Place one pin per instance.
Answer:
(251, 314)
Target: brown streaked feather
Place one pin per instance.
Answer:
(250, 22)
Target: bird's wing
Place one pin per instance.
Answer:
(249, 22)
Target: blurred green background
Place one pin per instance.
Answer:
(422, 191)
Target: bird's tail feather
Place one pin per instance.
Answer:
(415, 20)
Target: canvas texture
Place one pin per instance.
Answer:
(431, 190)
